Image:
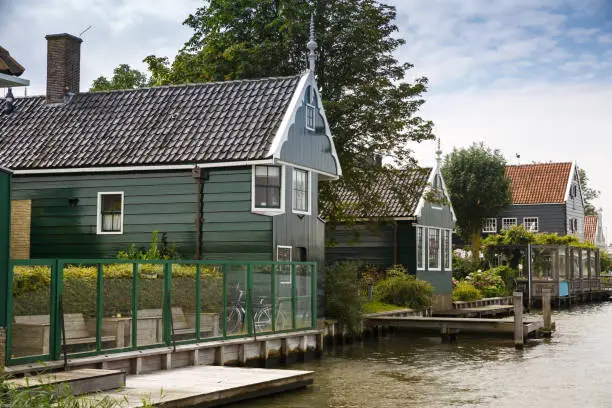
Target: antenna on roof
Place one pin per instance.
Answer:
(312, 45)
(82, 32)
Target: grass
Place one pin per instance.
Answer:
(377, 307)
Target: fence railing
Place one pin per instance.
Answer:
(81, 308)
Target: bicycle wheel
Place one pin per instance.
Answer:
(234, 321)
(263, 320)
(282, 321)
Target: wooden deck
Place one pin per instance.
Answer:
(83, 381)
(489, 310)
(457, 325)
(206, 386)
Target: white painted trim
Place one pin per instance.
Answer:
(439, 268)
(204, 165)
(4, 169)
(309, 199)
(282, 134)
(569, 181)
(99, 213)
(268, 211)
(537, 222)
(423, 252)
(314, 117)
(430, 180)
(310, 169)
(282, 282)
(9, 81)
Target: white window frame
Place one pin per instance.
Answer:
(265, 210)
(439, 268)
(309, 191)
(485, 225)
(423, 252)
(449, 250)
(527, 220)
(285, 282)
(504, 220)
(99, 230)
(310, 108)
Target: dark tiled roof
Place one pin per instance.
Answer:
(398, 192)
(590, 228)
(8, 65)
(220, 121)
(539, 183)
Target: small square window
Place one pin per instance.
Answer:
(489, 225)
(531, 224)
(110, 213)
(508, 223)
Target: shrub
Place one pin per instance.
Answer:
(405, 290)
(396, 270)
(463, 264)
(342, 300)
(157, 250)
(465, 291)
(489, 282)
(604, 261)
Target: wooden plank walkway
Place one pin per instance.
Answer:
(83, 381)
(206, 386)
(448, 324)
(479, 311)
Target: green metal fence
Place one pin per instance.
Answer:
(81, 308)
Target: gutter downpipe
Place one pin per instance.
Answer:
(199, 176)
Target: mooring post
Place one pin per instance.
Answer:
(547, 311)
(518, 319)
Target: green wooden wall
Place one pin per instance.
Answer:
(163, 201)
(5, 223)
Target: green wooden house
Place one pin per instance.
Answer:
(413, 227)
(224, 170)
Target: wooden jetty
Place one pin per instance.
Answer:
(77, 382)
(495, 306)
(205, 386)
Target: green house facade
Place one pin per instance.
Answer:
(413, 227)
(224, 171)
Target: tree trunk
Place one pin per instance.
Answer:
(476, 247)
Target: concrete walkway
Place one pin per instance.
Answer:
(206, 386)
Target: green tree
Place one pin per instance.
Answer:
(478, 188)
(124, 77)
(371, 108)
(588, 193)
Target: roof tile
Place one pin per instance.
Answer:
(590, 228)
(538, 183)
(219, 121)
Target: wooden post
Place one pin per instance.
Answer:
(518, 319)
(546, 311)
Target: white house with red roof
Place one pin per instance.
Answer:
(594, 230)
(546, 197)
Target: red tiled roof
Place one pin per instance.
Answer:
(538, 183)
(590, 228)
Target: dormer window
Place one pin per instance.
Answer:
(310, 108)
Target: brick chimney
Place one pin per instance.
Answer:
(63, 66)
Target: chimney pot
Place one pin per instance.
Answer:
(63, 67)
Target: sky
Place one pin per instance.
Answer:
(528, 77)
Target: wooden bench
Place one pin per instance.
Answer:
(151, 327)
(31, 333)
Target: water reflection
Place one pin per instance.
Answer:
(574, 368)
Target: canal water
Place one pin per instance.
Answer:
(572, 369)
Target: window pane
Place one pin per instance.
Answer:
(261, 171)
(273, 197)
(447, 250)
(274, 175)
(111, 202)
(260, 197)
(434, 248)
(419, 248)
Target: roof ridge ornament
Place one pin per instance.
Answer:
(439, 154)
(312, 46)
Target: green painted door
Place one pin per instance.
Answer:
(5, 220)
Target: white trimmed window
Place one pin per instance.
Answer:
(531, 224)
(448, 249)
(110, 213)
(301, 191)
(434, 251)
(267, 187)
(284, 254)
(310, 108)
(508, 223)
(489, 225)
(420, 247)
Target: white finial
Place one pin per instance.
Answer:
(439, 154)
(312, 46)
